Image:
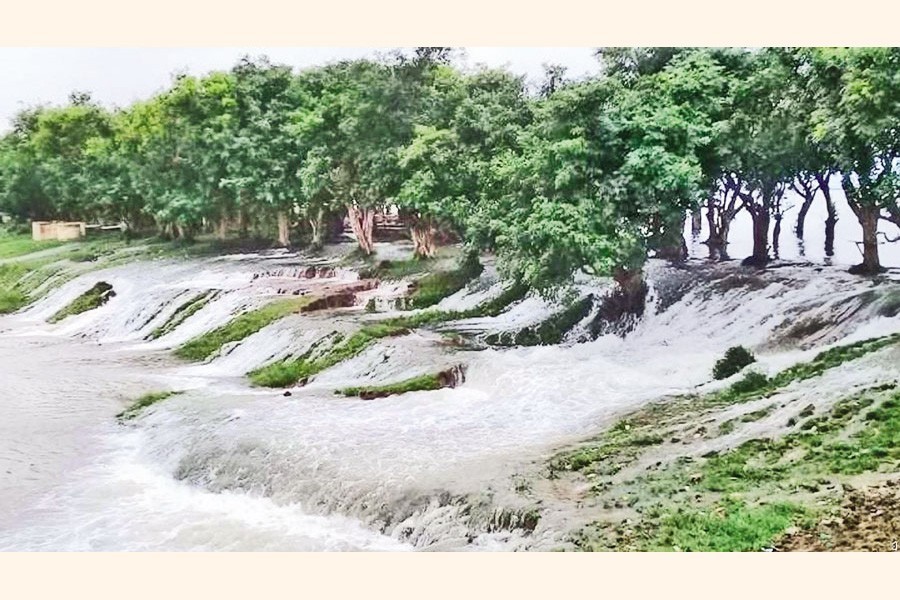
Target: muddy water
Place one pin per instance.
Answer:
(71, 478)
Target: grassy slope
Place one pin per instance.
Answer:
(240, 327)
(95, 297)
(746, 497)
(182, 314)
(290, 371)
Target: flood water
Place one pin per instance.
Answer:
(225, 466)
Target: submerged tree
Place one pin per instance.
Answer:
(856, 118)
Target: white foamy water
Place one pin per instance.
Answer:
(227, 466)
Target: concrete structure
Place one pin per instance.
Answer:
(57, 230)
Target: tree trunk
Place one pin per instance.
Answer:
(801, 216)
(317, 226)
(671, 245)
(868, 218)
(760, 256)
(830, 222)
(362, 222)
(696, 223)
(284, 229)
(776, 235)
(242, 223)
(222, 229)
(720, 211)
(423, 233)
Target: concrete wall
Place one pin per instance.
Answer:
(57, 230)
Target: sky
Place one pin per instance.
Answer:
(119, 76)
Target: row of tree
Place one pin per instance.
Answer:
(590, 175)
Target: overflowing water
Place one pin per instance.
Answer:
(224, 465)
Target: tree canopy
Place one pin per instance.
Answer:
(592, 174)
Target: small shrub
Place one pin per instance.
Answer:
(735, 359)
(751, 382)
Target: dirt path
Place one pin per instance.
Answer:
(869, 520)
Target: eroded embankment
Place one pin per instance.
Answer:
(466, 464)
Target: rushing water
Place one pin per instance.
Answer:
(227, 466)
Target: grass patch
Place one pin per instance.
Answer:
(413, 384)
(730, 526)
(755, 385)
(613, 450)
(142, 403)
(722, 500)
(239, 328)
(181, 314)
(12, 245)
(17, 282)
(548, 332)
(95, 297)
(434, 287)
(833, 358)
(290, 371)
(396, 269)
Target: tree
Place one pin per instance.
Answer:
(554, 78)
(607, 168)
(759, 166)
(263, 157)
(857, 120)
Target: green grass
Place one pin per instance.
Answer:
(548, 332)
(239, 328)
(875, 445)
(290, 371)
(95, 297)
(396, 269)
(623, 443)
(12, 245)
(755, 385)
(181, 314)
(17, 282)
(11, 297)
(730, 526)
(143, 402)
(413, 384)
(742, 498)
(434, 287)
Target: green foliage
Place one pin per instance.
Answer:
(750, 383)
(95, 297)
(142, 403)
(590, 175)
(239, 328)
(735, 359)
(11, 298)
